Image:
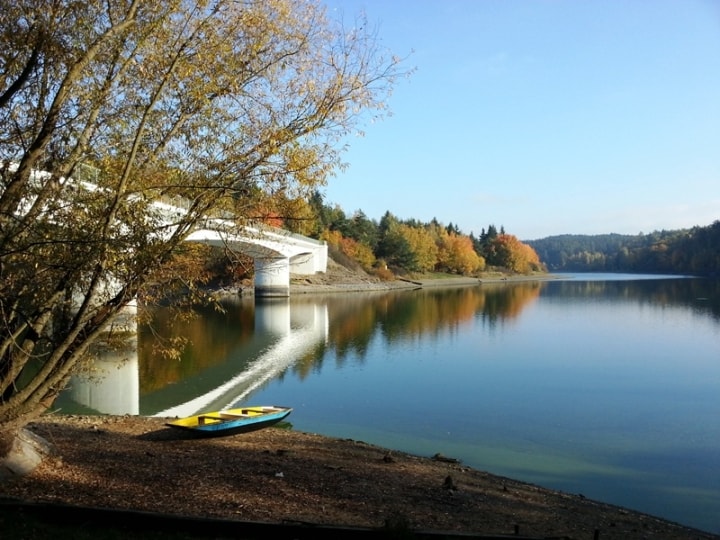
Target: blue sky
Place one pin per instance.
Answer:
(545, 117)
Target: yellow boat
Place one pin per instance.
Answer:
(231, 421)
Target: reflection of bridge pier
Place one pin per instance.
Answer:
(279, 316)
(272, 315)
(112, 384)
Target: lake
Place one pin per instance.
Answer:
(605, 385)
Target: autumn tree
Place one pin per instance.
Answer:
(364, 229)
(392, 246)
(358, 252)
(423, 246)
(456, 254)
(515, 255)
(198, 103)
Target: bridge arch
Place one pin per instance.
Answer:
(275, 253)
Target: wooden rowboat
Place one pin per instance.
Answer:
(231, 421)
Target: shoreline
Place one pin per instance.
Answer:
(359, 283)
(280, 476)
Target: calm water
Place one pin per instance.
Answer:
(603, 385)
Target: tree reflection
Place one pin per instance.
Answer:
(404, 315)
(699, 294)
(355, 320)
(210, 335)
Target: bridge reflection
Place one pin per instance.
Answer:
(112, 384)
(288, 331)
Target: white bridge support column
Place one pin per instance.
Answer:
(272, 276)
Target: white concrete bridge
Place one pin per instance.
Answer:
(276, 252)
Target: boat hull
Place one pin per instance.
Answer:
(231, 421)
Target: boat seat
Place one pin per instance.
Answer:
(230, 416)
(207, 417)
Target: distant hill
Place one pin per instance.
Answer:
(693, 251)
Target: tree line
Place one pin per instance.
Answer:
(694, 251)
(400, 246)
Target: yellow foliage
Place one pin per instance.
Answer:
(358, 251)
(384, 274)
(423, 246)
(456, 254)
(350, 247)
(515, 255)
(333, 238)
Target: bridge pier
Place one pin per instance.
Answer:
(274, 251)
(272, 276)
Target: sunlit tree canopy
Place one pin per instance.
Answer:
(210, 106)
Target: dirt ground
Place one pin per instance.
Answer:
(279, 475)
(338, 279)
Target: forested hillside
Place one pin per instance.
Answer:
(688, 251)
(394, 245)
(400, 246)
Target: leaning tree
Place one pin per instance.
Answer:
(109, 106)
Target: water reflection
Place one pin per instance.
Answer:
(229, 355)
(232, 352)
(700, 295)
(111, 384)
(407, 315)
(291, 334)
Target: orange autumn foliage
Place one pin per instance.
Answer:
(350, 247)
(515, 255)
(457, 255)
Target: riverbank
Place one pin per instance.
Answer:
(337, 278)
(283, 476)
